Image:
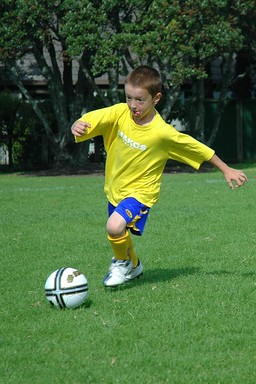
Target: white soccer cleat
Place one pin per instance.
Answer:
(135, 272)
(117, 272)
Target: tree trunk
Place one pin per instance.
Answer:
(199, 95)
(10, 153)
(227, 72)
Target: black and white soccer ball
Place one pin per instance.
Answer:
(66, 288)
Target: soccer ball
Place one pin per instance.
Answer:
(66, 288)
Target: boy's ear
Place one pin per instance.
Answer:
(157, 97)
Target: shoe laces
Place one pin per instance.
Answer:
(117, 264)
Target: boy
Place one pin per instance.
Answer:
(138, 143)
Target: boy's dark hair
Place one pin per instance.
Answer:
(145, 77)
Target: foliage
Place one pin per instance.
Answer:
(75, 41)
(33, 28)
(180, 37)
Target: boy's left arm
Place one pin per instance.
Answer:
(231, 175)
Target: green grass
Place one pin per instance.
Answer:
(190, 319)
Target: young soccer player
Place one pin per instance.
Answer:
(138, 143)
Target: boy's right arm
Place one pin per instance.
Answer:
(79, 128)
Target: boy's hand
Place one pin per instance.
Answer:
(79, 128)
(234, 177)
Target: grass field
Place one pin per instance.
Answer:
(190, 319)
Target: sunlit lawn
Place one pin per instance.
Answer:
(189, 319)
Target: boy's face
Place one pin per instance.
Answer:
(141, 103)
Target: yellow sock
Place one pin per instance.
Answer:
(132, 254)
(122, 248)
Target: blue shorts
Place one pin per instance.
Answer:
(134, 213)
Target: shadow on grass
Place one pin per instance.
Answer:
(224, 272)
(219, 273)
(159, 275)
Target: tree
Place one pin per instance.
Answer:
(246, 58)
(75, 41)
(34, 28)
(181, 38)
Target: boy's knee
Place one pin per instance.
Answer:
(115, 228)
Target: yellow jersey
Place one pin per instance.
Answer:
(137, 155)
